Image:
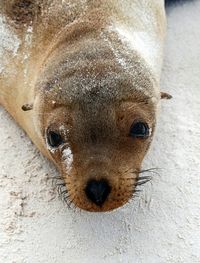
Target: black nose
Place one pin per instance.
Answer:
(98, 191)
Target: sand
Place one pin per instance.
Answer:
(162, 225)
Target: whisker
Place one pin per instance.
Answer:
(141, 178)
(60, 180)
(150, 170)
(127, 170)
(60, 190)
(142, 182)
(63, 192)
(64, 195)
(71, 202)
(137, 191)
(66, 198)
(61, 184)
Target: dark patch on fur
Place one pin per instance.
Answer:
(23, 12)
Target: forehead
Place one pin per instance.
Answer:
(91, 73)
(99, 87)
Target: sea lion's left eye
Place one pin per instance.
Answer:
(54, 139)
(139, 130)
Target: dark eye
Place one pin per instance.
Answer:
(54, 139)
(139, 130)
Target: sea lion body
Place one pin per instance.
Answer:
(88, 69)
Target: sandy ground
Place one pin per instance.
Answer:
(162, 225)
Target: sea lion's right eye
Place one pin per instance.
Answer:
(139, 130)
(54, 139)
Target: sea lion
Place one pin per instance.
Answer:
(82, 78)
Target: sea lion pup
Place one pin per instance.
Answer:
(82, 78)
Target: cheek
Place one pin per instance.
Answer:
(134, 150)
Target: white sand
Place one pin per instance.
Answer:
(163, 225)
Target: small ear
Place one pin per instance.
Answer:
(27, 107)
(164, 95)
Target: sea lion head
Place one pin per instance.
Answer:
(96, 110)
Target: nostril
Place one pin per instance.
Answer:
(97, 191)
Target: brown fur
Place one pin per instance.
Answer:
(73, 80)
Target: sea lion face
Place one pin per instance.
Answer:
(101, 154)
(97, 126)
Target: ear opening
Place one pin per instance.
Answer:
(27, 107)
(164, 95)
